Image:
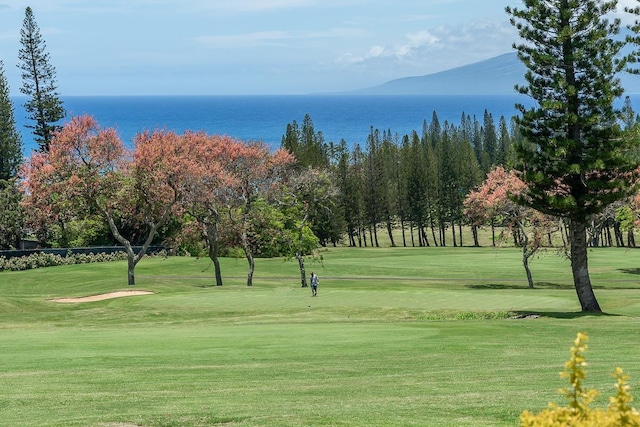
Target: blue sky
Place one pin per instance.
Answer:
(235, 47)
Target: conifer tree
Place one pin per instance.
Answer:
(44, 106)
(10, 141)
(491, 148)
(575, 160)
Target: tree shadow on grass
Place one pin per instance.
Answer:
(630, 270)
(559, 314)
(537, 285)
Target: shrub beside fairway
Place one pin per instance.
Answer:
(396, 337)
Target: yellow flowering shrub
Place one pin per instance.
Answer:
(578, 412)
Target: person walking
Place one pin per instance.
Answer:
(314, 284)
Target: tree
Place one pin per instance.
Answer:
(307, 145)
(88, 170)
(10, 141)
(255, 172)
(210, 187)
(39, 83)
(311, 190)
(11, 215)
(493, 201)
(575, 160)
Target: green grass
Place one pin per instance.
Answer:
(396, 337)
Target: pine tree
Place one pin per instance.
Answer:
(490, 142)
(39, 83)
(575, 160)
(10, 141)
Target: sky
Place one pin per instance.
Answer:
(253, 47)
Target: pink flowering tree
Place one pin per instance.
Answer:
(492, 202)
(211, 187)
(254, 172)
(87, 168)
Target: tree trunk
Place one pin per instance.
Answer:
(493, 234)
(609, 237)
(433, 234)
(131, 265)
(580, 268)
(618, 234)
(527, 253)
(474, 232)
(252, 267)
(300, 255)
(303, 272)
(390, 232)
(453, 234)
(404, 236)
(249, 255)
(413, 239)
(213, 243)
(375, 235)
(424, 236)
(132, 257)
(525, 262)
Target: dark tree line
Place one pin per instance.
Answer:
(413, 184)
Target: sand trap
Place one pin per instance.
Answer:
(101, 297)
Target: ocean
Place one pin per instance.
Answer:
(265, 118)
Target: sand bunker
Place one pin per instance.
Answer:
(101, 297)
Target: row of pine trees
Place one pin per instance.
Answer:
(413, 184)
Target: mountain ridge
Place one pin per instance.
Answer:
(494, 76)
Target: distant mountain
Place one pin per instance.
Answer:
(494, 76)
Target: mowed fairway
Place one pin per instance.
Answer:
(396, 337)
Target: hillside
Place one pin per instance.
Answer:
(493, 76)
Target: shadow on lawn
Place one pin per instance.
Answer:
(630, 270)
(538, 285)
(561, 314)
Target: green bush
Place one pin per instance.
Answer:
(578, 413)
(42, 259)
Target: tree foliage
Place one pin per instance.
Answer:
(11, 215)
(88, 171)
(493, 202)
(10, 141)
(44, 105)
(575, 159)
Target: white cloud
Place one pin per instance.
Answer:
(435, 49)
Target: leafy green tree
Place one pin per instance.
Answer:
(44, 105)
(11, 215)
(10, 141)
(575, 159)
(309, 192)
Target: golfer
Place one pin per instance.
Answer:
(314, 284)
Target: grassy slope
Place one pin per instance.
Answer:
(397, 337)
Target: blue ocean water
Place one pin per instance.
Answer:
(264, 118)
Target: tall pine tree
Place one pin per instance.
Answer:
(44, 106)
(575, 160)
(11, 212)
(10, 142)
